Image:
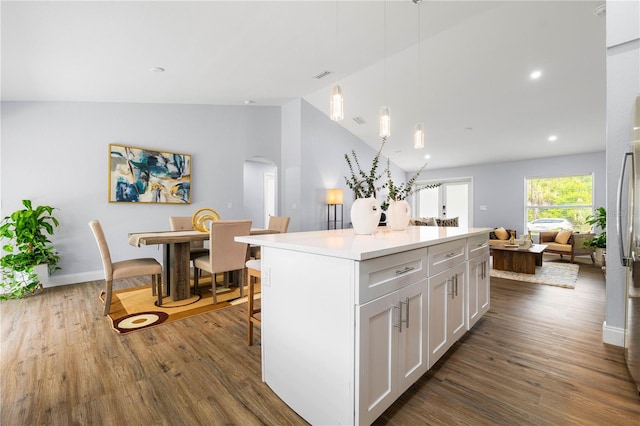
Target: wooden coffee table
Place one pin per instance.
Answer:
(516, 259)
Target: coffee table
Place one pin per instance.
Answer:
(516, 259)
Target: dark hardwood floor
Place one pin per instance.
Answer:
(536, 358)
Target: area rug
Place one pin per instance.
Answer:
(135, 308)
(555, 274)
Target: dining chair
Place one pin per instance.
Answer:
(254, 276)
(185, 223)
(125, 268)
(225, 254)
(279, 224)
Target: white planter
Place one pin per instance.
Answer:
(599, 256)
(365, 215)
(42, 270)
(398, 215)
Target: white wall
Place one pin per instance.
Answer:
(500, 186)
(56, 153)
(623, 85)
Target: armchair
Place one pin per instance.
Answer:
(566, 242)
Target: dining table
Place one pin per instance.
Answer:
(176, 247)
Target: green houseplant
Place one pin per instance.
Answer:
(25, 234)
(599, 242)
(363, 184)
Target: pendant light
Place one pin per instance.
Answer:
(418, 129)
(385, 111)
(336, 107)
(336, 103)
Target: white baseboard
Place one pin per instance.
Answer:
(612, 335)
(56, 280)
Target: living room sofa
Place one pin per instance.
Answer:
(500, 236)
(567, 243)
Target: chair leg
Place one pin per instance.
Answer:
(157, 283)
(250, 310)
(241, 281)
(107, 297)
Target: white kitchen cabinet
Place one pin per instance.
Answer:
(392, 348)
(446, 310)
(478, 289)
(330, 300)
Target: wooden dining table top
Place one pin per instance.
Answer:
(171, 237)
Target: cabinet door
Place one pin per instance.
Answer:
(446, 310)
(413, 354)
(456, 311)
(477, 290)
(377, 353)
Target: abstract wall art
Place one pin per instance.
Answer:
(140, 175)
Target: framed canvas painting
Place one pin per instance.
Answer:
(141, 175)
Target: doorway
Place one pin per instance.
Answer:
(453, 198)
(260, 191)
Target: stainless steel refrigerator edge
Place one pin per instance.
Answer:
(629, 245)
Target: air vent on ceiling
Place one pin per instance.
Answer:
(360, 120)
(323, 74)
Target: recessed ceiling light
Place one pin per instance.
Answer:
(249, 102)
(427, 156)
(553, 138)
(535, 75)
(156, 69)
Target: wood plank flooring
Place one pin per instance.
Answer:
(535, 359)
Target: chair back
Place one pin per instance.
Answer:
(279, 223)
(184, 223)
(578, 243)
(226, 254)
(96, 228)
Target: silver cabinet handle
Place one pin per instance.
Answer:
(456, 281)
(406, 320)
(450, 293)
(405, 270)
(450, 255)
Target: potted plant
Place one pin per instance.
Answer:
(26, 233)
(365, 210)
(599, 242)
(396, 206)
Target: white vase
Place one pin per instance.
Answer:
(365, 215)
(398, 215)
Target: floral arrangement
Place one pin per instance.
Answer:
(364, 184)
(402, 191)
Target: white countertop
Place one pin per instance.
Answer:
(344, 243)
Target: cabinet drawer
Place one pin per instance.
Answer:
(477, 245)
(446, 255)
(382, 275)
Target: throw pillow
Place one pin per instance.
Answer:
(447, 222)
(501, 233)
(563, 237)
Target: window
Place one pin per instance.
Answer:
(559, 203)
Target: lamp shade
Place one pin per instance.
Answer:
(335, 196)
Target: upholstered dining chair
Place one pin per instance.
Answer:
(225, 254)
(125, 268)
(254, 276)
(276, 223)
(279, 223)
(184, 223)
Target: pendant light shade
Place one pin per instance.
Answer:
(336, 109)
(418, 136)
(385, 122)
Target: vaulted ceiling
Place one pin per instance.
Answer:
(460, 67)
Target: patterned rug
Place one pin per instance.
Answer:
(555, 274)
(135, 308)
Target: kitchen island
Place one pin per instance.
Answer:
(350, 321)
